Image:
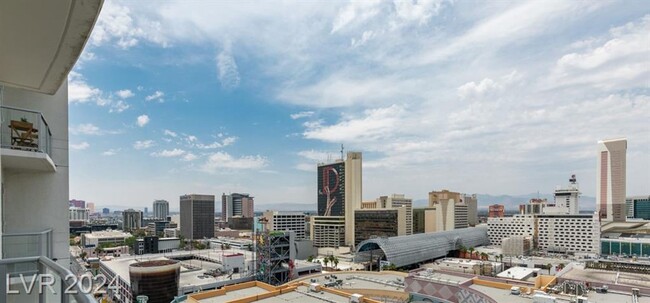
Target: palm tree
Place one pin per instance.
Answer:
(310, 258)
(335, 260)
(484, 256)
(463, 251)
(471, 252)
(326, 260)
(549, 265)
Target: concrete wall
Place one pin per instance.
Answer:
(35, 201)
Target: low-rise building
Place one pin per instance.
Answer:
(154, 245)
(517, 245)
(95, 239)
(328, 231)
(382, 223)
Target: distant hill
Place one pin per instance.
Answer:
(286, 207)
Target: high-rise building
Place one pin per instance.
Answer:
(451, 211)
(132, 219)
(534, 206)
(78, 214)
(78, 203)
(197, 216)
(146, 211)
(496, 211)
(610, 179)
(638, 207)
(399, 200)
(382, 222)
(106, 211)
(340, 189)
(160, 209)
(504, 227)
(472, 209)
(237, 205)
(286, 221)
(91, 207)
(568, 233)
(327, 231)
(420, 219)
(566, 199)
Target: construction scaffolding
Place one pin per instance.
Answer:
(273, 256)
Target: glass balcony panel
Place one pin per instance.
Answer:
(21, 131)
(19, 245)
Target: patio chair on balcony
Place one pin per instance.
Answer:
(23, 135)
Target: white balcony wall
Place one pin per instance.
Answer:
(35, 201)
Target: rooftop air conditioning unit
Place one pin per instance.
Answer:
(356, 298)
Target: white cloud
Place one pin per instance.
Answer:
(170, 133)
(169, 153)
(189, 157)
(117, 24)
(79, 146)
(227, 69)
(315, 155)
(305, 114)
(418, 11)
(110, 152)
(374, 124)
(79, 91)
(308, 167)
(486, 86)
(157, 95)
(228, 141)
(222, 160)
(365, 37)
(119, 106)
(620, 62)
(124, 93)
(143, 144)
(142, 120)
(85, 129)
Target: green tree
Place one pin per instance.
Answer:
(181, 245)
(335, 261)
(471, 252)
(310, 258)
(549, 265)
(83, 255)
(98, 250)
(484, 256)
(130, 241)
(326, 260)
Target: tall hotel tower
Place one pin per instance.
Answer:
(610, 179)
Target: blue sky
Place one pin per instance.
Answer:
(503, 97)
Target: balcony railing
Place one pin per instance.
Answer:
(49, 282)
(24, 129)
(27, 244)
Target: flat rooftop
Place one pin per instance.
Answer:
(235, 294)
(518, 273)
(605, 277)
(503, 295)
(361, 280)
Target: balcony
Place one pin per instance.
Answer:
(26, 140)
(52, 282)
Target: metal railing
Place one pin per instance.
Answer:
(49, 283)
(24, 129)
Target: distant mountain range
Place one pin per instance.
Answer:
(511, 202)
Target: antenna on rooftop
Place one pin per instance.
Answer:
(342, 152)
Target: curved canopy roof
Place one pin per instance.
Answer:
(412, 249)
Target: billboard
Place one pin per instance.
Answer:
(331, 189)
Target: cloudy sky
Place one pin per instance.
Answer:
(503, 97)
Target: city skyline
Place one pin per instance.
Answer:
(505, 98)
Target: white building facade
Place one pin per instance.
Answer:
(286, 221)
(503, 227)
(568, 233)
(160, 209)
(78, 214)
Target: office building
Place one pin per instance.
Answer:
(237, 205)
(78, 214)
(496, 211)
(504, 227)
(158, 280)
(78, 203)
(241, 223)
(106, 211)
(160, 209)
(610, 179)
(339, 190)
(96, 238)
(91, 207)
(286, 221)
(568, 233)
(638, 207)
(397, 201)
(197, 216)
(419, 219)
(327, 231)
(461, 214)
(155, 244)
(625, 246)
(132, 219)
(472, 209)
(146, 211)
(382, 223)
